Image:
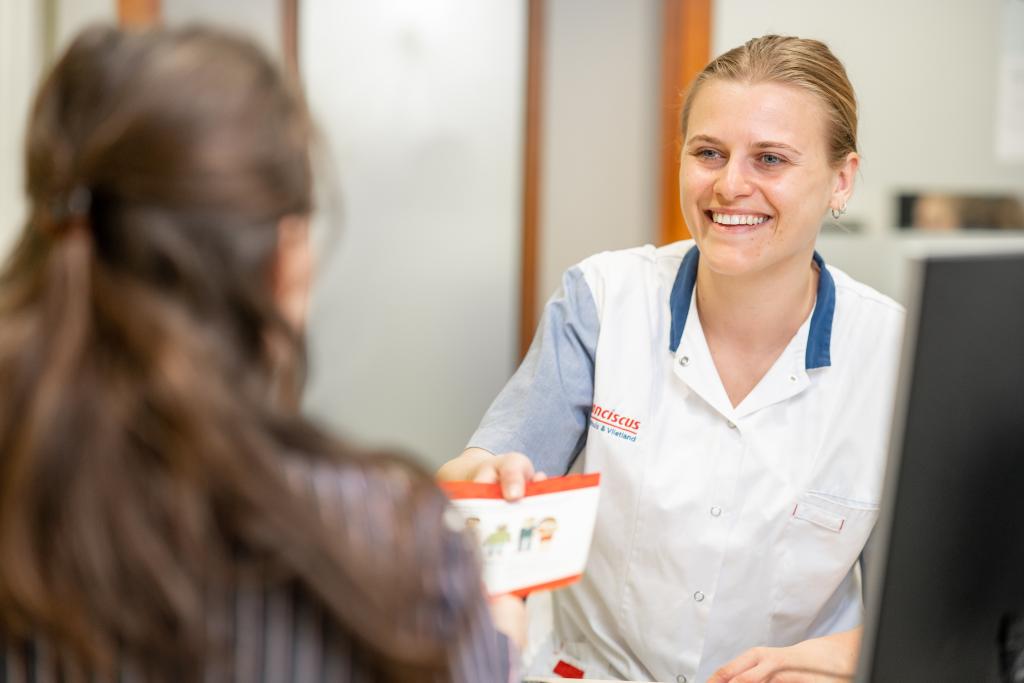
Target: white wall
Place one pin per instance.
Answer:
(421, 106)
(74, 15)
(22, 63)
(428, 148)
(600, 128)
(259, 19)
(20, 59)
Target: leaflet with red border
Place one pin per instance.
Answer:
(539, 542)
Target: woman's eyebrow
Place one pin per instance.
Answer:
(766, 144)
(705, 138)
(769, 144)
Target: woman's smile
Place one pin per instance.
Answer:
(738, 222)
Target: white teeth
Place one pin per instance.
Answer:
(737, 219)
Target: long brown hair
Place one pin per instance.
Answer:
(140, 446)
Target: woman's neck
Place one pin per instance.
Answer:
(765, 305)
(748, 321)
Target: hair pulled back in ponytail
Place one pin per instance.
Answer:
(140, 448)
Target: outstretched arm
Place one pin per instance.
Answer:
(544, 409)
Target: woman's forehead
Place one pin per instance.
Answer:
(740, 113)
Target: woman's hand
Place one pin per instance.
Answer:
(511, 470)
(509, 615)
(819, 660)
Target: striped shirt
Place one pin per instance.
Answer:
(280, 633)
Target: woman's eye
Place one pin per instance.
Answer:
(770, 159)
(708, 154)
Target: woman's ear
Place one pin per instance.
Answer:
(846, 174)
(293, 269)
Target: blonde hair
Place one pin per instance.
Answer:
(800, 62)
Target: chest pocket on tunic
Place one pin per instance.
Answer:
(819, 543)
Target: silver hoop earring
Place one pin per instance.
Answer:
(836, 213)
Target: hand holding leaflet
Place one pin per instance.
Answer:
(539, 542)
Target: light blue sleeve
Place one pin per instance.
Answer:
(544, 409)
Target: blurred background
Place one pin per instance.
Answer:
(471, 150)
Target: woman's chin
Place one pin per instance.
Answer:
(730, 262)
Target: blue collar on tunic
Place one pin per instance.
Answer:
(819, 338)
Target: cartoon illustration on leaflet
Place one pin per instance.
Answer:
(526, 534)
(495, 543)
(546, 530)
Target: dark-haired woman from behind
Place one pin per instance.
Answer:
(165, 515)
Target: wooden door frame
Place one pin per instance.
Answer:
(290, 36)
(685, 50)
(532, 146)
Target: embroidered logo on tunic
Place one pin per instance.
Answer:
(611, 422)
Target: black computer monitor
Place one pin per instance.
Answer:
(945, 589)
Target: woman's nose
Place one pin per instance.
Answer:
(732, 180)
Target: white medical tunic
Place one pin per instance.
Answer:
(720, 528)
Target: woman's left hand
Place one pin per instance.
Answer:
(509, 615)
(828, 659)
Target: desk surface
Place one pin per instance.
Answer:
(532, 679)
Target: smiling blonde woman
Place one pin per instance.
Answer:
(759, 383)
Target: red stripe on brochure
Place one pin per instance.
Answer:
(549, 586)
(458, 490)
